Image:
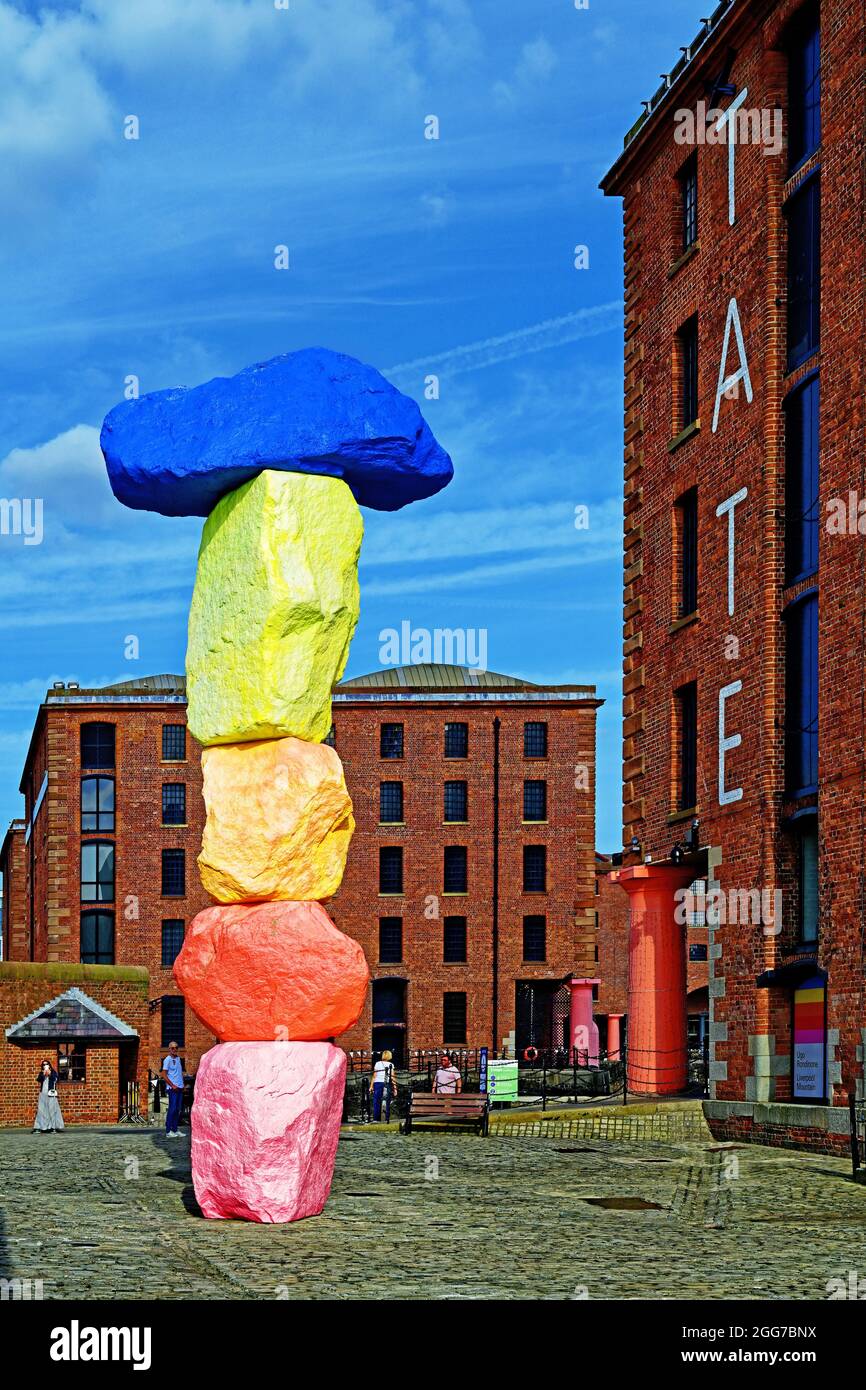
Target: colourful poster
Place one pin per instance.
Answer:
(810, 1040)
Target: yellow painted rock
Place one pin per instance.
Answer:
(273, 610)
(279, 821)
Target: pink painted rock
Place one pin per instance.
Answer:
(265, 1126)
(271, 971)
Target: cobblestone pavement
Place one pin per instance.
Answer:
(111, 1214)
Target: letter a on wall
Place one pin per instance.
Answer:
(725, 383)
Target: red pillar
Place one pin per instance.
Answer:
(583, 1030)
(613, 1036)
(657, 1060)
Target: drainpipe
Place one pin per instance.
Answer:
(32, 893)
(495, 942)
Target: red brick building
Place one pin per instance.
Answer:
(470, 880)
(745, 593)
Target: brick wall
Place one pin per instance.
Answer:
(16, 934)
(96, 1100)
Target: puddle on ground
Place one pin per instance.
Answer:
(623, 1203)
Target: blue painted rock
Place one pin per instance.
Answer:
(315, 411)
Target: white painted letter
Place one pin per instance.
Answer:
(725, 383)
(726, 742)
(728, 506)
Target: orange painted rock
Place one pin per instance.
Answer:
(266, 972)
(279, 821)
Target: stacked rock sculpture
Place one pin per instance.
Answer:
(277, 458)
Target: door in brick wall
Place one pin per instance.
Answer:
(541, 1014)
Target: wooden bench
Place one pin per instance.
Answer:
(428, 1109)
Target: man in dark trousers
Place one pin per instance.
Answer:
(172, 1074)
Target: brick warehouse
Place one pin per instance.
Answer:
(110, 844)
(744, 588)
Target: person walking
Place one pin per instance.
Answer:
(49, 1119)
(172, 1074)
(384, 1086)
(447, 1081)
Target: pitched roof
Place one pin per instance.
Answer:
(70, 1015)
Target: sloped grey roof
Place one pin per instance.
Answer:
(66, 1016)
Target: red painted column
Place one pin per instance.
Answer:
(613, 1036)
(657, 1059)
(583, 1030)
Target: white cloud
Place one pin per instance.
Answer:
(68, 473)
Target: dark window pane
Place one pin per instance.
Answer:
(688, 539)
(173, 1021)
(71, 1062)
(687, 699)
(456, 740)
(97, 803)
(802, 509)
(804, 271)
(804, 90)
(97, 872)
(391, 802)
(389, 1001)
(698, 951)
(454, 1018)
(688, 336)
(390, 869)
(801, 697)
(808, 879)
(97, 745)
(535, 938)
(535, 800)
(172, 939)
(454, 876)
(390, 940)
(534, 739)
(97, 938)
(391, 741)
(454, 939)
(456, 801)
(173, 803)
(534, 868)
(689, 197)
(174, 743)
(331, 737)
(173, 873)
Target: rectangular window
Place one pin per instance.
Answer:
(97, 745)
(331, 737)
(97, 938)
(687, 747)
(802, 509)
(391, 803)
(173, 1023)
(689, 201)
(534, 868)
(801, 696)
(807, 873)
(456, 740)
(71, 1061)
(174, 743)
(172, 940)
(535, 938)
(535, 800)
(390, 940)
(803, 213)
(688, 351)
(453, 1017)
(173, 873)
(97, 872)
(454, 939)
(686, 544)
(173, 803)
(391, 741)
(534, 739)
(456, 801)
(698, 951)
(455, 874)
(804, 89)
(97, 803)
(390, 869)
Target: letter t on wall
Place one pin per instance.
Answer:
(728, 507)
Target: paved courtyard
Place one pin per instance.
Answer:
(111, 1214)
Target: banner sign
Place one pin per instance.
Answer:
(810, 1040)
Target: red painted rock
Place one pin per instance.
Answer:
(265, 1126)
(271, 971)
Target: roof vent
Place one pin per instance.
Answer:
(73, 685)
(58, 685)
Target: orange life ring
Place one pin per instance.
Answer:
(530, 1054)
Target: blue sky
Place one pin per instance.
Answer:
(154, 257)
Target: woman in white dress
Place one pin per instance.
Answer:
(48, 1120)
